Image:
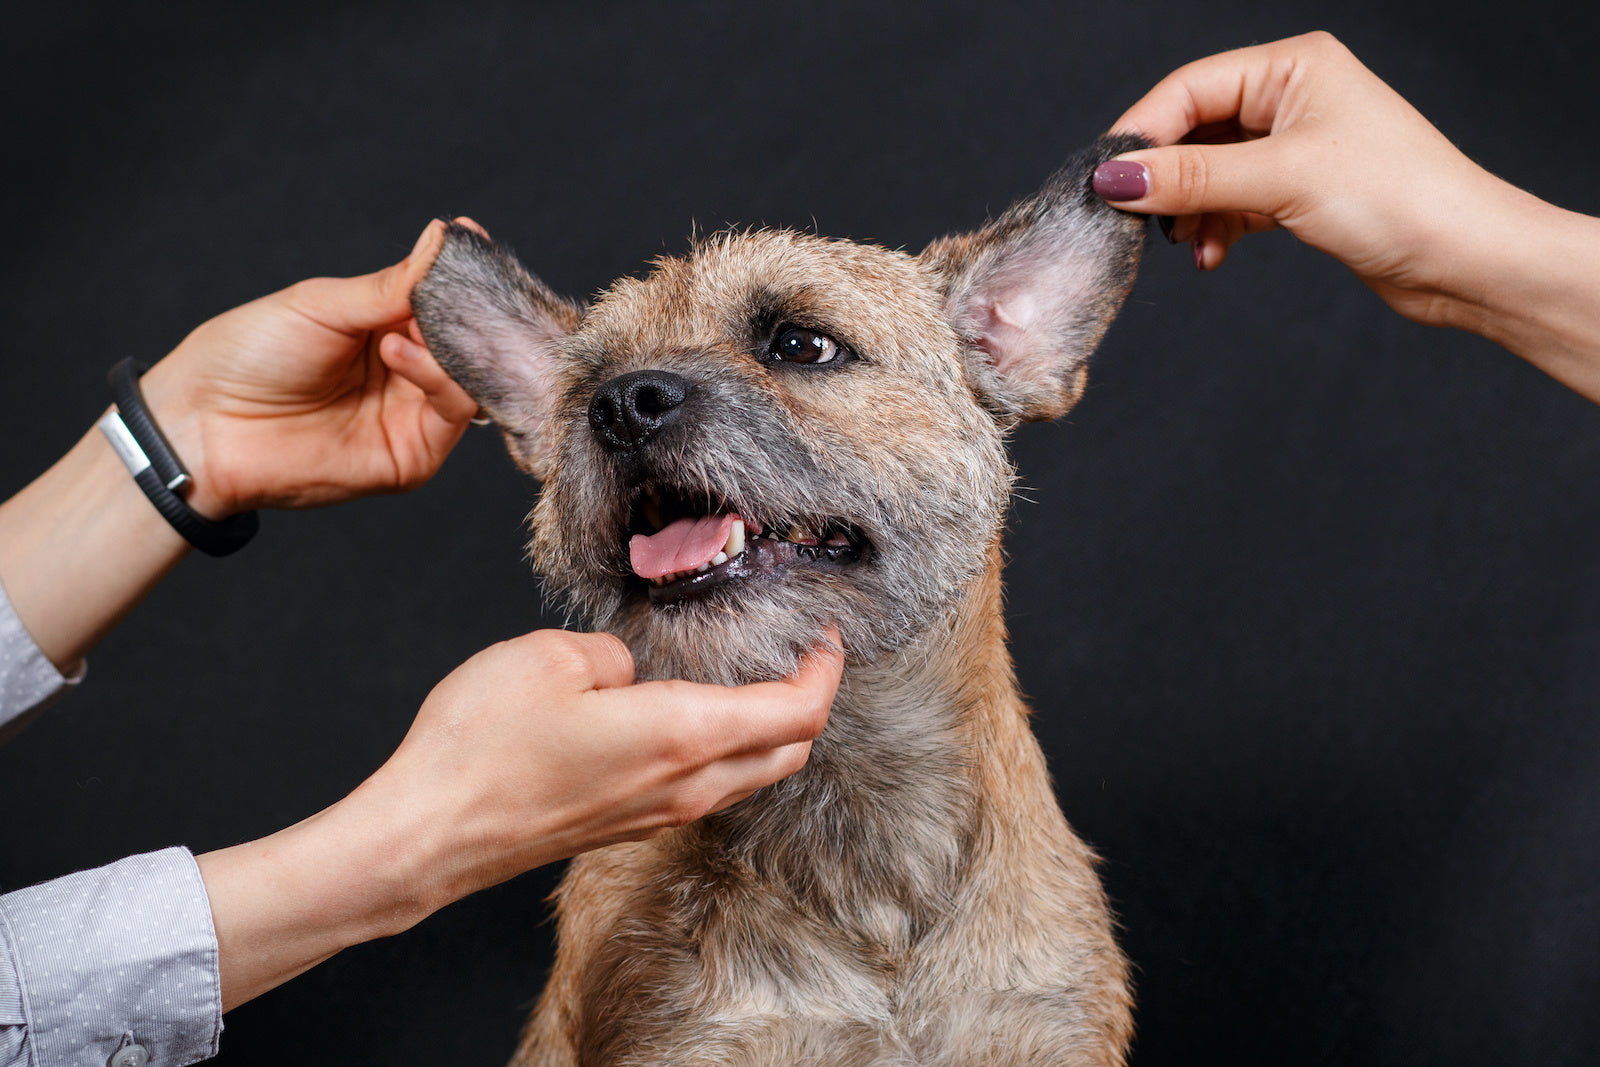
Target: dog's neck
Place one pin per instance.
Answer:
(899, 786)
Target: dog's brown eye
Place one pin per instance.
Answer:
(795, 344)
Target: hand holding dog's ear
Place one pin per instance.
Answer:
(1299, 134)
(316, 394)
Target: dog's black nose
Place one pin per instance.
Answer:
(631, 409)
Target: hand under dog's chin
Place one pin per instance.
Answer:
(735, 640)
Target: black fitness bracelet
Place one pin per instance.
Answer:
(144, 450)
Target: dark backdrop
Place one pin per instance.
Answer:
(1307, 596)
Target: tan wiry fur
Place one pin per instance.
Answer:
(913, 895)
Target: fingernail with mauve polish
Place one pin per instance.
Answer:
(1119, 179)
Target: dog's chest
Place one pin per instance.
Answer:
(807, 904)
(760, 983)
(882, 907)
(746, 974)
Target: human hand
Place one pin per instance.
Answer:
(533, 750)
(541, 747)
(312, 395)
(1298, 134)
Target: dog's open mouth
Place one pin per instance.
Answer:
(683, 549)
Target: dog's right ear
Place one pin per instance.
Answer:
(494, 328)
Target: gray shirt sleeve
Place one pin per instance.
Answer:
(28, 681)
(104, 963)
(106, 959)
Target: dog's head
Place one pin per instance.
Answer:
(778, 431)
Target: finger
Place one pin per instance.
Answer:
(1252, 176)
(414, 363)
(1183, 228)
(1214, 234)
(826, 655)
(713, 722)
(1212, 239)
(1221, 133)
(1186, 227)
(1257, 223)
(818, 675)
(739, 776)
(770, 715)
(370, 301)
(572, 663)
(1243, 86)
(608, 658)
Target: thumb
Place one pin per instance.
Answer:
(608, 658)
(1199, 179)
(370, 301)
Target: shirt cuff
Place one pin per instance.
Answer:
(28, 680)
(124, 953)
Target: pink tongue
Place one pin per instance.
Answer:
(682, 546)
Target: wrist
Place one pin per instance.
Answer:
(175, 405)
(395, 853)
(79, 547)
(439, 838)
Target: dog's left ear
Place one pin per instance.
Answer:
(1032, 292)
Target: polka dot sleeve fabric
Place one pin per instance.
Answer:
(27, 679)
(95, 961)
(13, 1023)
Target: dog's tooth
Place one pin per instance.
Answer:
(702, 568)
(719, 559)
(735, 543)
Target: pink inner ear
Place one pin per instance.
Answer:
(1003, 330)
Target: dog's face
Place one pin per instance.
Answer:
(777, 431)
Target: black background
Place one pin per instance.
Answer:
(1307, 596)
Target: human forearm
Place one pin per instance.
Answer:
(79, 547)
(1539, 295)
(309, 396)
(285, 903)
(534, 750)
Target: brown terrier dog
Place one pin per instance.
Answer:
(771, 434)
